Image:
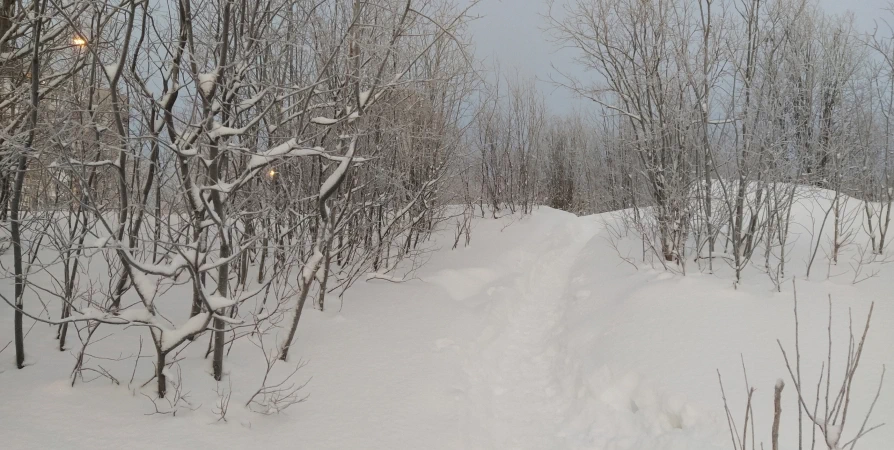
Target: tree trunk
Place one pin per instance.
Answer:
(160, 374)
(16, 237)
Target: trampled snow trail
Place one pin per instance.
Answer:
(519, 395)
(535, 336)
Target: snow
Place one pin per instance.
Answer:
(536, 336)
(250, 102)
(288, 148)
(291, 148)
(834, 435)
(382, 276)
(144, 285)
(218, 302)
(170, 338)
(167, 97)
(101, 241)
(111, 70)
(332, 181)
(311, 266)
(136, 314)
(364, 97)
(74, 162)
(221, 186)
(323, 121)
(196, 194)
(219, 130)
(206, 82)
(179, 261)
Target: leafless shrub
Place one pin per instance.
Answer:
(223, 401)
(273, 397)
(176, 400)
(828, 416)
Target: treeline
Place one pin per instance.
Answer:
(710, 116)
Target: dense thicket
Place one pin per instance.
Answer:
(249, 155)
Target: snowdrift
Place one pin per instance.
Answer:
(536, 336)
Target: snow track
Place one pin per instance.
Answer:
(535, 336)
(518, 367)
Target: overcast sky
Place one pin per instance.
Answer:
(512, 32)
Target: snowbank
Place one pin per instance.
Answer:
(535, 336)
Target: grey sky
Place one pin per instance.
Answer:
(511, 31)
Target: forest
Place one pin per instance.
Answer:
(194, 192)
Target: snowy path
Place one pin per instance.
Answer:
(517, 367)
(535, 336)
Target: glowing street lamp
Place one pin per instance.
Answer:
(271, 174)
(79, 41)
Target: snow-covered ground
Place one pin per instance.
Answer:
(536, 336)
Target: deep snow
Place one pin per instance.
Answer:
(536, 336)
